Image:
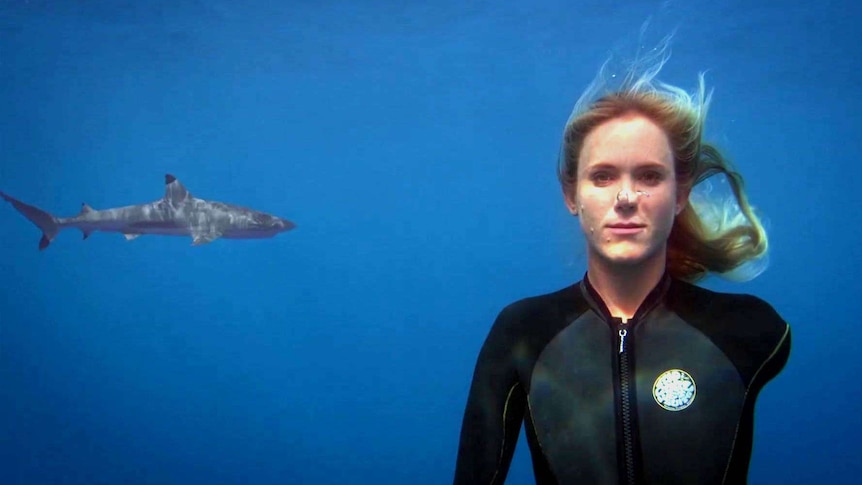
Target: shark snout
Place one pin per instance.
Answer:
(284, 224)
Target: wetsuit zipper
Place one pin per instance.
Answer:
(623, 358)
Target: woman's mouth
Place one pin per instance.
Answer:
(624, 229)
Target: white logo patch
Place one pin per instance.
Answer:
(674, 390)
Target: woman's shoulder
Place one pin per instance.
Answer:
(530, 322)
(741, 308)
(545, 305)
(747, 328)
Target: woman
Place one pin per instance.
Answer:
(632, 375)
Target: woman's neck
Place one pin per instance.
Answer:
(624, 288)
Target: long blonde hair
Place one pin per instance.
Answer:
(714, 236)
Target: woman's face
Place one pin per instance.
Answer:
(626, 192)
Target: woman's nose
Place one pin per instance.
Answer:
(628, 195)
(626, 199)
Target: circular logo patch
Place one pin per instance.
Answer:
(674, 390)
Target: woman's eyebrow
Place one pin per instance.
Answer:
(646, 164)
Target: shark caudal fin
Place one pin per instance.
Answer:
(46, 222)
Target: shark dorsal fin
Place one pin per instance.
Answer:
(85, 209)
(175, 193)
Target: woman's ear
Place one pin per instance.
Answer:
(570, 199)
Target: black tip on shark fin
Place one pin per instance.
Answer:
(175, 192)
(44, 242)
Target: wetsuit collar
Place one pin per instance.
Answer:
(651, 301)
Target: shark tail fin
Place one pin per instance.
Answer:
(45, 221)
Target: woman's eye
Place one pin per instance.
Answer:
(601, 177)
(651, 178)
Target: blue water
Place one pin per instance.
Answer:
(414, 146)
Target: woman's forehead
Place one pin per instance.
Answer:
(627, 140)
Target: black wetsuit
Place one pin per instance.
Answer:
(675, 406)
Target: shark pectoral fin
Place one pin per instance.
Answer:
(86, 233)
(205, 238)
(130, 237)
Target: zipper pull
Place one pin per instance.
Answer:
(623, 333)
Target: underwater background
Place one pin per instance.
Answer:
(414, 145)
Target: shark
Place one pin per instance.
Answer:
(178, 213)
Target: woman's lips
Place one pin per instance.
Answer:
(625, 229)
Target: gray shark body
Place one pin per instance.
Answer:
(176, 214)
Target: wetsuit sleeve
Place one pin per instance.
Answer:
(775, 346)
(495, 410)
